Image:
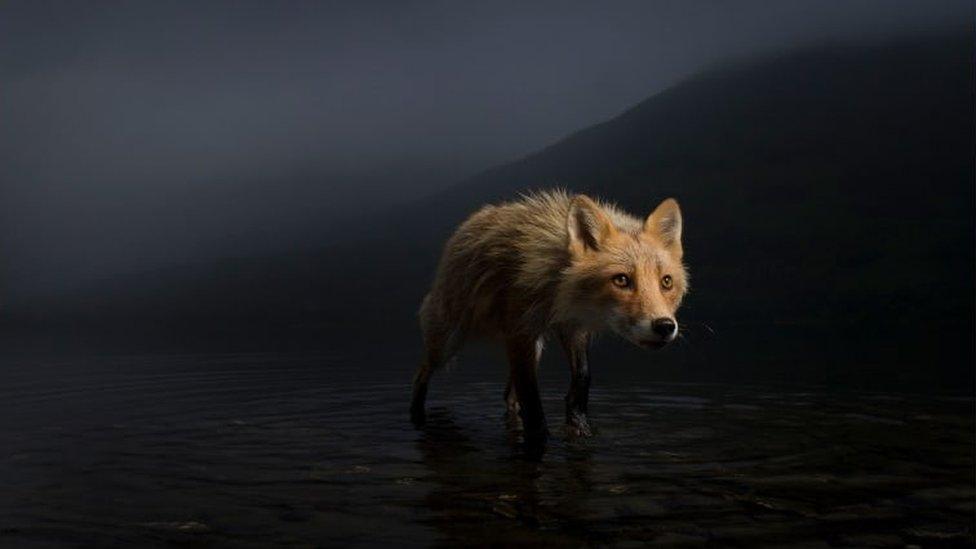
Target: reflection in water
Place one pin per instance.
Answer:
(265, 450)
(476, 498)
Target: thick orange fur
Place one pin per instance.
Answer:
(552, 262)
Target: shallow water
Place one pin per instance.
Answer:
(260, 450)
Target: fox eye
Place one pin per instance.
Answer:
(667, 282)
(621, 281)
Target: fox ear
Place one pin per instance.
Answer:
(665, 223)
(587, 224)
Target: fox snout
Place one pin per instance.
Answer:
(655, 333)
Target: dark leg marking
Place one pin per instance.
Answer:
(523, 363)
(576, 344)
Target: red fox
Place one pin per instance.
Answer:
(557, 264)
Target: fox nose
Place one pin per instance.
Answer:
(664, 327)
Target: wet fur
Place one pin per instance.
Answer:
(542, 264)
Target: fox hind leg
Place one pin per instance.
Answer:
(511, 398)
(523, 356)
(441, 342)
(512, 418)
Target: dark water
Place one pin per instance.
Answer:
(260, 450)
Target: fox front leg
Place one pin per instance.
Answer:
(576, 344)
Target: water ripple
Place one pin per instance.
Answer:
(258, 450)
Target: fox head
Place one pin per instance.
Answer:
(625, 275)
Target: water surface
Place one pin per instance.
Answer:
(259, 450)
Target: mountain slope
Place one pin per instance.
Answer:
(828, 200)
(826, 191)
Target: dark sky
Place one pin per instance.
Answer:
(135, 134)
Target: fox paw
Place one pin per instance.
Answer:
(578, 425)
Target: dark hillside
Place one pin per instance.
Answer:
(828, 198)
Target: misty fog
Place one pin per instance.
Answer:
(139, 134)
